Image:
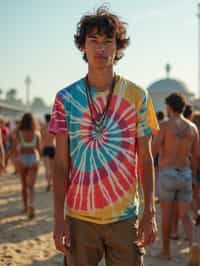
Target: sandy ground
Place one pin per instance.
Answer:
(24, 242)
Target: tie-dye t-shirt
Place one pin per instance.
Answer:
(103, 167)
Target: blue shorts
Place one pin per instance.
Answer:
(175, 184)
(28, 160)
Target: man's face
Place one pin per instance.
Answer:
(100, 50)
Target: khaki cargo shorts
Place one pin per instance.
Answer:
(115, 241)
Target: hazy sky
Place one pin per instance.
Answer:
(36, 38)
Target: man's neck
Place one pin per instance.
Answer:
(100, 79)
(177, 116)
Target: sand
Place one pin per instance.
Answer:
(26, 242)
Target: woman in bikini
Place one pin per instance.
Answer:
(27, 143)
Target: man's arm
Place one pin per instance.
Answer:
(145, 160)
(147, 228)
(60, 185)
(195, 152)
(60, 177)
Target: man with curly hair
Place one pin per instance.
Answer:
(103, 125)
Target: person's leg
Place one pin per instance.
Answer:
(51, 171)
(21, 169)
(184, 208)
(86, 243)
(196, 200)
(24, 189)
(167, 183)
(51, 164)
(47, 172)
(166, 219)
(175, 220)
(184, 198)
(31, 178)
(15, 162)
(121, 244)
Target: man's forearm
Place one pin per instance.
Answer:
(148, 184)
(60, 189)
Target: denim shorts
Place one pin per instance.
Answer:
(175, 184)
(29, 159)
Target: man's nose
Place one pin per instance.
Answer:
(100, 46)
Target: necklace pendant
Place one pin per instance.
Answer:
(98, 119)
(99, 129)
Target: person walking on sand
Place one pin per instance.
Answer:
(102, 124)
(2, 154)
(27, 142)
(176, 143)
(196, 120)
(48, 151)
(188, 114)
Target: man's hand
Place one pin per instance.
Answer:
(61, 237)
(147, 230)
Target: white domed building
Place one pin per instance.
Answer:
(160, 89)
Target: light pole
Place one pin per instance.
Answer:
(27, 82)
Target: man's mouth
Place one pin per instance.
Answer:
(100, 57)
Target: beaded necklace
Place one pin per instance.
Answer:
(96, 117)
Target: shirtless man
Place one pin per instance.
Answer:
(187, 113)
(48, 151)
(176, 143)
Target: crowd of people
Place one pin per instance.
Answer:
(174, 147)
(101, 141)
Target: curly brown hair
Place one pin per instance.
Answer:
(176, 101)
(106, 24)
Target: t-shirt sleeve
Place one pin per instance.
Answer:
(57, 123)
(147, 121)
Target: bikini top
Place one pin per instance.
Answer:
(27, 144)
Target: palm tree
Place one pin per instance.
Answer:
(11, 95)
